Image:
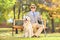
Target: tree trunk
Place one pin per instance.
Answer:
(52, 22)
(14, 18)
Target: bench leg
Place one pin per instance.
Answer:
(45, 32)
(12, 31)
(16, 31)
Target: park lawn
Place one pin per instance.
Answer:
(6, 34)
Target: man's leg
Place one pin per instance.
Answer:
(35, 28)
(39, 31)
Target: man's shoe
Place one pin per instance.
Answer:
(34, 36)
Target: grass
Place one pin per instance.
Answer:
(6, 34)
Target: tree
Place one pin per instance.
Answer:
(51, 6)
(5, 8)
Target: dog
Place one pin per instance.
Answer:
(28, 30)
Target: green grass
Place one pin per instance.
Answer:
(6, 34)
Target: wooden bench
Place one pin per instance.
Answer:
(17, 24)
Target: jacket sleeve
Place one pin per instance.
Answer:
(38, 16)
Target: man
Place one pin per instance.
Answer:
(35, 17)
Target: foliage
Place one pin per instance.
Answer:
(5, 8)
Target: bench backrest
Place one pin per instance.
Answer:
(18, 22)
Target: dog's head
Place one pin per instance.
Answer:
(26, 19)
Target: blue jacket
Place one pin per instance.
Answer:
(34, 17)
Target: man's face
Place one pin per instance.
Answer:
(33, 8)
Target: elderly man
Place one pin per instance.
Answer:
(35, 17)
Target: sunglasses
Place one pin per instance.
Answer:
(32, 7)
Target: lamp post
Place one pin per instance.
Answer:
(14, 11)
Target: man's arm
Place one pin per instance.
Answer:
(39, 16)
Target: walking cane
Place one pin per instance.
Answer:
(43, 28)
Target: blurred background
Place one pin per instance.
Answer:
(15, 9)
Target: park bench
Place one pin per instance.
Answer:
(17, 24)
